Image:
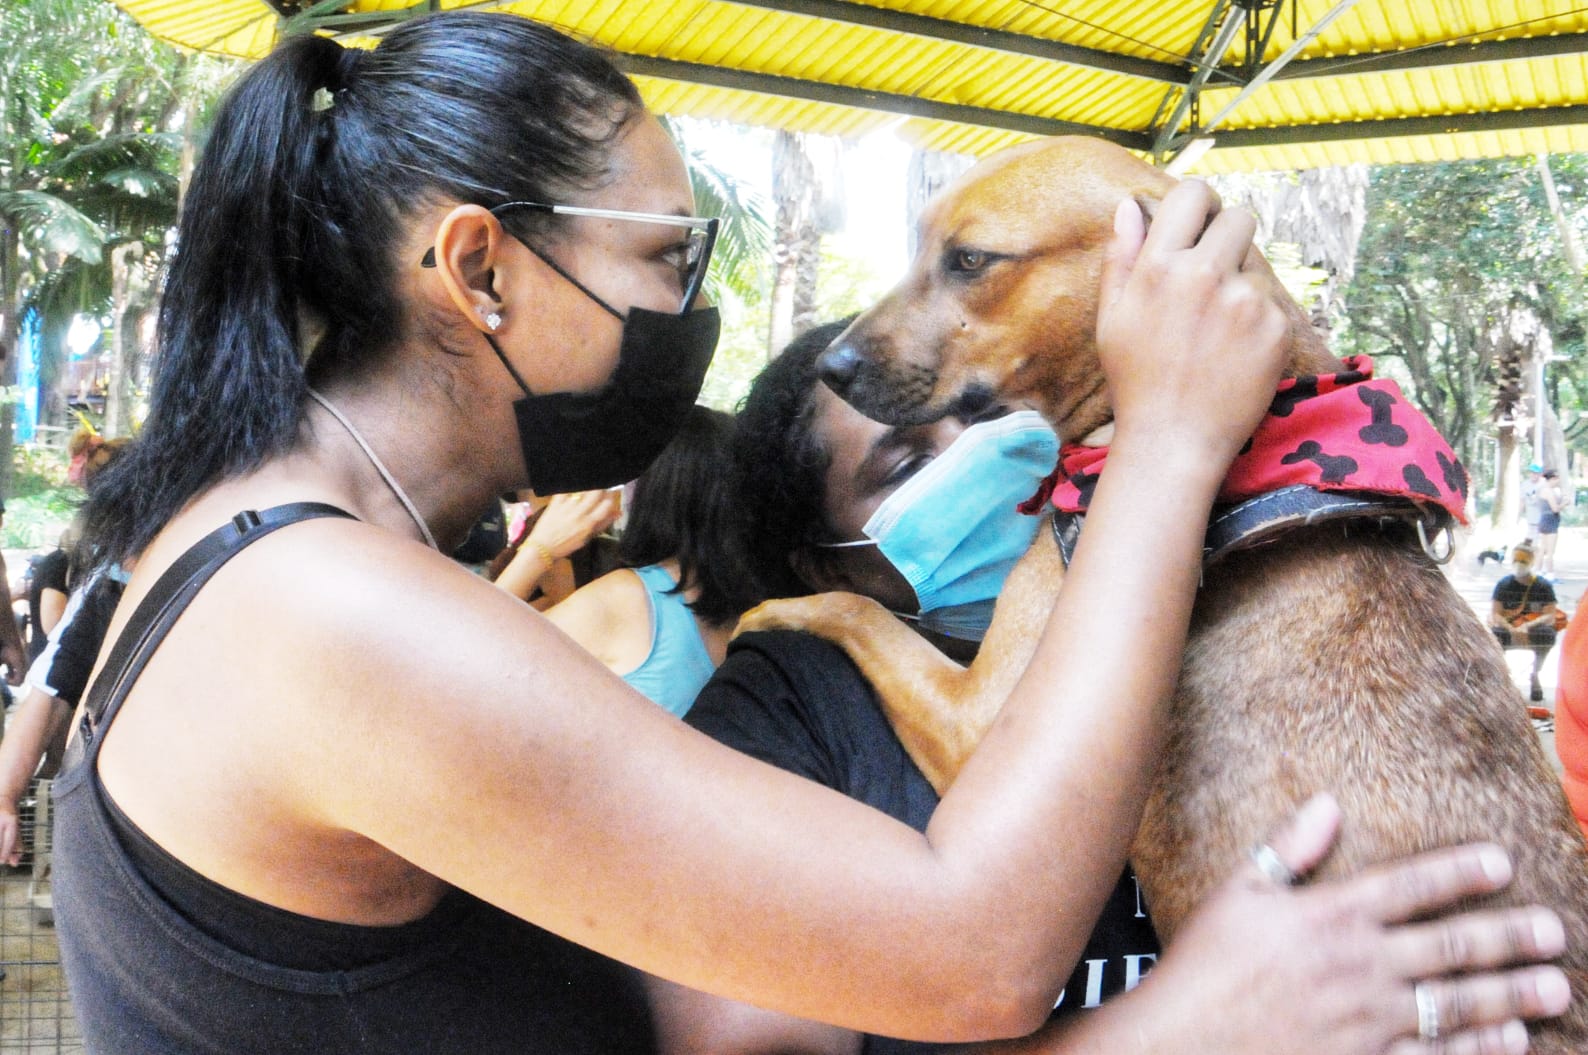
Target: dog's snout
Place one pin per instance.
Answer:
(839, 365)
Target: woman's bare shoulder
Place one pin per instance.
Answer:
(610, 617)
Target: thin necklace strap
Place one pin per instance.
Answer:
(380, 467)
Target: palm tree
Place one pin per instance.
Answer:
(127, 183)
(88, 103)
(746, 235)
(35, 225)
(801, 221)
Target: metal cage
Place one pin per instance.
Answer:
(35, 1011)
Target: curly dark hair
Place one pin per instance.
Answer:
(682, 509)
(781, 466)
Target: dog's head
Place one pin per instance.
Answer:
(1000, 302)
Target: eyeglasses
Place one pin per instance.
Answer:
(694, 251)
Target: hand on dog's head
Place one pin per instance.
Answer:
(1000, 301)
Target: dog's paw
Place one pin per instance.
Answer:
(834, 616)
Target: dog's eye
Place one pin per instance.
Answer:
(970, 259)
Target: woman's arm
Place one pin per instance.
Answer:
(36, 721)
(565, 525)
(1545, 615)
(400, 703)
(12, 651)
(689, 1022)
(1259, 970)
(52, 603)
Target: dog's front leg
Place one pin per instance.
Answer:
(939, 709)
(920, 688)
(941, 730)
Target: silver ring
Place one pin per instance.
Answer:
(1268, 862)
(1427, 1011)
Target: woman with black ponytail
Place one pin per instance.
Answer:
(332, 793)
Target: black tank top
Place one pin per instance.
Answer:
(163, 961)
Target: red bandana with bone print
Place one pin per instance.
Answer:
(1334, 432)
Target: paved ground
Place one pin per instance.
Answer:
(1476, 584)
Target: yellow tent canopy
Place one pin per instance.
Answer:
(1229, 84)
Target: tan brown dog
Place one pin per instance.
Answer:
(1337, 658)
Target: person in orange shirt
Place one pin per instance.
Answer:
(1571, 720)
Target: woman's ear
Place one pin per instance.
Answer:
(468, 243)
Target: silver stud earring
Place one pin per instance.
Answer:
(492, 321)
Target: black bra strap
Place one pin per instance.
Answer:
(171, 595)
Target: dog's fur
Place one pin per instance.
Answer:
(1337, 659)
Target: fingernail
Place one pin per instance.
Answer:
(1549, 934)
(1496, 864)
(1513, 1037)
(1554, 992)
(1122, 214)
(1320, 805)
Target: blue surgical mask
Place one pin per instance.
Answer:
(952, 529)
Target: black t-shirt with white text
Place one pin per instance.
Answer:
(799, 703)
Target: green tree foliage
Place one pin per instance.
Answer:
(92, 115)
(1458, 264)
(844, 285)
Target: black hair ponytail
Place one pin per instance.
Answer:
(291, 219)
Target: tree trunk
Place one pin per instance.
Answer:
(124, 342)
(1568, 234)
(805, 314)
(1319, 211)
(10, 333)
(796, 239)
(1507, 479)
(189, 154)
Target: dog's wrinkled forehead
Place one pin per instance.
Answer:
(1020, 191)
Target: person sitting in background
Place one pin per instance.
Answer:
(1523, 615)
(663, 619)
(537, 565)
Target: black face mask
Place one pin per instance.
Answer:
(578, 441)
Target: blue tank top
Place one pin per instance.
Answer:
(163, 961)
(677, 664)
